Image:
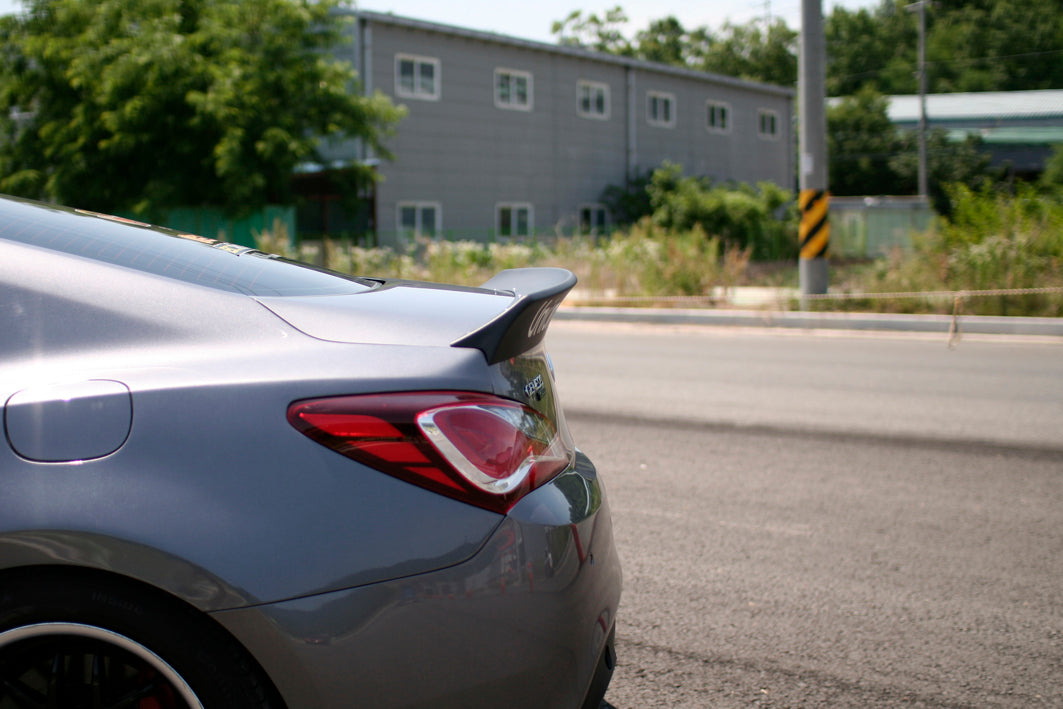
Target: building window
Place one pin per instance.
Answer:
(768, 126)
(593, 219)
(419, 219)
(718, 117)
(417, 77)
(514, 219)
(660, 109)
(513, 89)
(593, 99)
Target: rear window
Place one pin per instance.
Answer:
(184, 257)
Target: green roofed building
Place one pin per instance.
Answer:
(1017, 128)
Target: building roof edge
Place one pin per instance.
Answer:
(577, 52)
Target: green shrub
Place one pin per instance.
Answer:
(762, 219)
(992, 241)
(650, 261)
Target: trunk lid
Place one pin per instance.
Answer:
(504, 318)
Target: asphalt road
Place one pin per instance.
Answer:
(826, 521)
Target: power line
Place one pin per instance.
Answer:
(958, 62)
(999, 57)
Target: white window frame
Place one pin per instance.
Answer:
(711, 108)
(662, 98)
(513, 105)
(593, 207)
(514, 207)
(772, 134)
(420, 206)
(593, 87)
(418, 92)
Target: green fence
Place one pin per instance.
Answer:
(215, 224)
(867, 227)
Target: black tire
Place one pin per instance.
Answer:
(87, 641)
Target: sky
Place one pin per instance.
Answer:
(532, 19)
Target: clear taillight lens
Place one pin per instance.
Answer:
(478, 448)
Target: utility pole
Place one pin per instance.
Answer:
(814, 198)
(920, 7)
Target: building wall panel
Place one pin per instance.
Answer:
(470, 155)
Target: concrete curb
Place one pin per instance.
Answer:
(968, 324)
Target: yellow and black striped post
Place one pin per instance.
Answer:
(814, 233)
(815, 225)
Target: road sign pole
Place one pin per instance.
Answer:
(812, 138)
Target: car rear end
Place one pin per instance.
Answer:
(528, 619)
(369, 484)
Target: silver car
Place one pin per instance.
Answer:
(230, 480)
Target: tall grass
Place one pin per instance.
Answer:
(990, 242)
(644, 261)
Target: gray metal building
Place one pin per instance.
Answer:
(508, 138)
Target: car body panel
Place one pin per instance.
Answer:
(69, 421)
(282, 501)
(540, 599)
(391, 314)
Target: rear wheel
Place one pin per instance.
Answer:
(92, 643)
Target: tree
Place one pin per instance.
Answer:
(752, 51)
(972, 45)
(949, 163)
(740, 216)
(143, 105)
(861, 142)
(995, 45)
(602, 34)
(1052, 178)
(664, 41)
(874, 49)
(870, 156)
(630, 202)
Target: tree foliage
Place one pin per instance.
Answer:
(972, 45)
(869, 155)
(601, 33)
(740, 216)
(630, 202)
(1052, 178)
(666, 41)
(750, 51)
(861, 143)
(757, 221)
(753, 51)
(143, 105)
(871, 48)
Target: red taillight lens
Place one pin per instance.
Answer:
(477, 448)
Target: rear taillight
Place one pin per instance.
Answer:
(478, 448)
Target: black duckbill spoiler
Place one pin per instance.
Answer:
(537, 293)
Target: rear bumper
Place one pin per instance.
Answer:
(524, 622)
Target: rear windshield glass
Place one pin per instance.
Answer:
(184, 257)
